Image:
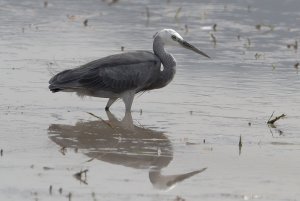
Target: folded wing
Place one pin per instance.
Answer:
(116, 73)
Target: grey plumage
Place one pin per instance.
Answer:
(123, 75)
(117, 73)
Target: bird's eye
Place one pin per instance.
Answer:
(174, 37)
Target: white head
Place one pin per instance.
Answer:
(169, 37)
(172, 38)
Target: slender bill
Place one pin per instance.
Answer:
(186, 45)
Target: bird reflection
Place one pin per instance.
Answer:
(164, 182)
(122, 143)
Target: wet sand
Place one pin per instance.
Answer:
(182, 141)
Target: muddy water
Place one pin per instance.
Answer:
(182, 142)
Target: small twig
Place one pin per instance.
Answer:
(70, 196)
(215, 27)
(177, 13)
(272, 121)
(63, 150)
(240, 145)
(271, 116)
(186, 28)
(50, 189)
(91, 159)
(60, 190)
(78, 176)
(85, 22)
(147, 12)
(214, 39)
(249, 42)
(148, 15)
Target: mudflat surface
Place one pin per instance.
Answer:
(182, 141)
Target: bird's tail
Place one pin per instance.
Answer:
(62, 81)
(54, 89)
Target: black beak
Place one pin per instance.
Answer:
(186, 45)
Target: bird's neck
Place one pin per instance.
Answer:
(166, 58)
(166, 73)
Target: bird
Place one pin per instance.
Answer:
(122, 76)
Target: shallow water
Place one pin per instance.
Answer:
(192, 124)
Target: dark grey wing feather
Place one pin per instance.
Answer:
(106, 80)
(116, 73)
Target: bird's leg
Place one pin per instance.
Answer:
(127, 122)
(128, 118)
(109, 103)
(111, 117)
(127, 99)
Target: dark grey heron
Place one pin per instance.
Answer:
(124, 75)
